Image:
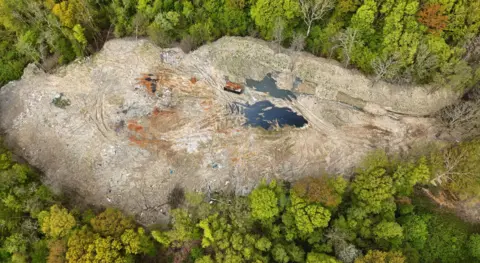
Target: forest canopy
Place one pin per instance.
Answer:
(400, 41)
(379, 216)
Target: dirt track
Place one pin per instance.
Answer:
(121, 145)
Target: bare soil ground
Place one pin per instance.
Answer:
(119, 144)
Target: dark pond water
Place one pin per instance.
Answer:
(269, 85)
(266, 115)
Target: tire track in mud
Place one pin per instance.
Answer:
(98, 120)
(97, 116)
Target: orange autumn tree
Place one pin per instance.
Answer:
(325, 190)
(432, 16)
(57, 250)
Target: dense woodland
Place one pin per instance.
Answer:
(401, 41)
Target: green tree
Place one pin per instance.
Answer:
(234, 18)
(124, 11)
(137, 242)
(79, 35)
(455, 74)
(266, 12)
(415, 230)
(16, 243)
(363, 52)
(27, 45)
(372, 188)
(474, 246)
(462, 21)
(201, 32)
(401, 31)
(22, 197)
(11, 61)
(364, 18)
(279, 254)
(264, 204)
(388, 234)
(375, 256)
(447, 240)
(57, 222)
(263, 244)
(40, 251)
(320, 258)
(108, 249)
(65, 11)
(85, 246)
(80, 246)
(204, 259)
(183, 229)
(308, 217)
(295, 253)
(406, 176)
(111, 222)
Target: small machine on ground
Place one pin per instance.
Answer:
(233, 87)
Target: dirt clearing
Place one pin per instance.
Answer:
(127, 138)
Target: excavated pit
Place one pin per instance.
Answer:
(266, 115)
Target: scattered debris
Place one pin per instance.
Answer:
(134, 126)
(170, 57)
(303, 87)
(119, 126)
(297, 83)
(60, 101)
(156, 111)
(233, 87)
(206, 104)
(149, 81)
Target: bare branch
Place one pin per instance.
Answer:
(314, 10)
(384, 68)
(473, 50)
(425, 62)
(463, 118)
(278, 31)
(298, 42)
(451, 160)
(346, 40)
(457, 114)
